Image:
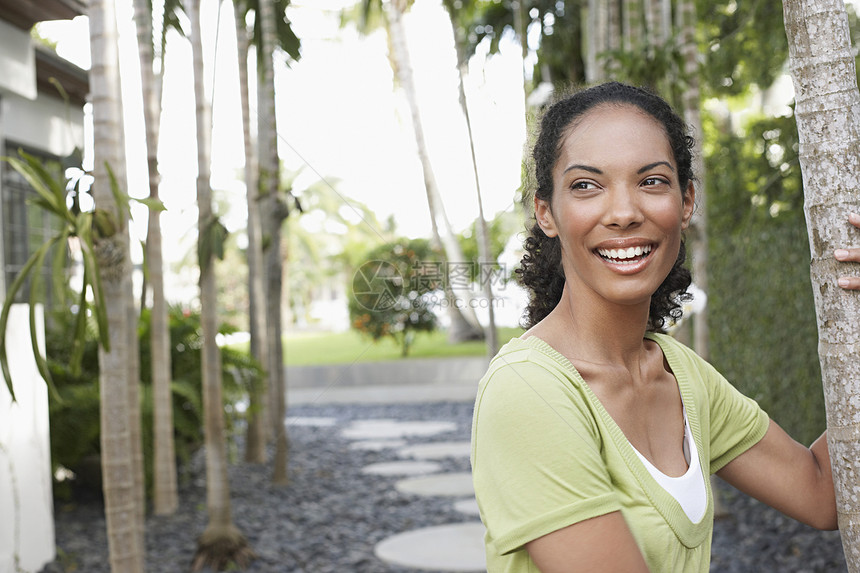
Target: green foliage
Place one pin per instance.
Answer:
(560, 56)
(60, 198)
(391, 291)
(761, 310)
(51, 192)
(744, 45)
(75, 422)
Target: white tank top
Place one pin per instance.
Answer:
(688, 489)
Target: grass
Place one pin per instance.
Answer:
(350, 346)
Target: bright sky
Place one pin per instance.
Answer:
(339, 117)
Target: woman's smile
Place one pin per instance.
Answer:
(617, 209)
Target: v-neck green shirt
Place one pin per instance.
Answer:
(546, 454)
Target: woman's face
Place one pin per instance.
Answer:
(617, 206)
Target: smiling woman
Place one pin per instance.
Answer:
(594, 433)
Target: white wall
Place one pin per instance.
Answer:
(17, 61)
(26, 502)
(46, 123)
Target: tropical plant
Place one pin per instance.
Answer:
(72, 224)
(75, 442)
(393, 292)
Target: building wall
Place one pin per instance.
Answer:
(26, 503)
(17, 62)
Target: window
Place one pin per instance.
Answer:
(25, 226)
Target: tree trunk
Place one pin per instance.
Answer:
(221, 542)
(258, 412)
(118, 481)
(828, 124)
(597, 34)
(484, 255)
(445, 236)
(270, 177)
(632, 24)
(692, 115)
(164, 476)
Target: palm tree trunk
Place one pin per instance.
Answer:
(445, 236)
(484, 255)
(270, 165)
(221, 542)
(120, 497)
(692, 115)
(828, 124)
(632, 24)
(165, 496)
(258, 413)
(597, 36)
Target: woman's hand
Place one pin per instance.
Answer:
(849, 256)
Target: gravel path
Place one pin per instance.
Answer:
(332, 515)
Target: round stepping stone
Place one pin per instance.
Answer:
(467, 506)
(384, 429)
(455, 484)
(377, 445)
(313, 421)
(402, 468)
(437, 450)
(454, 547)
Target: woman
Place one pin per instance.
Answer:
(594, 434)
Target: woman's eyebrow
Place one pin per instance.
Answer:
(653, 165)
(584, 168)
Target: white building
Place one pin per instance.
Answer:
(33, 117)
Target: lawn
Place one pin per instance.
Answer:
(347, 347)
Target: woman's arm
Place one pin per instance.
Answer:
(781, 472)
(788, 476)
(602, 543)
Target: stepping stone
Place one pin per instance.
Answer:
(313, 421)
(437, 450)
(454, 547)
(455, 484)
(377, 445)
(467, 506)
(385, 429)
(402, 468)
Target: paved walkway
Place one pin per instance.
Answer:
(452, 547)
(397, 381)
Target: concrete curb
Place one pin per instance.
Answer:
(446, 371)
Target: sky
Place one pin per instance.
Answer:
(340, 118)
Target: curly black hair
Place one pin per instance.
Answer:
(540, 270)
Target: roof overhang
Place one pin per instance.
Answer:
(73, 79)
(25, 13)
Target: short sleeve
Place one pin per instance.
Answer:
(536, 456)
(737, 422)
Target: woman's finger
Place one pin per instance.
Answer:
(847, 255)
(850, 283)
(854, 219)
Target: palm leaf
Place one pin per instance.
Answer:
(7, 305)
(35, 295)
(41, 182)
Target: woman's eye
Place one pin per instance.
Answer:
(654, 181)
(583, 185)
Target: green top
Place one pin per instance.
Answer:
(546, 454)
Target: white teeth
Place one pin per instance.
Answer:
(623, 254)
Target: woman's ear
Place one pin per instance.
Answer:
(689, 205)
(543, 216)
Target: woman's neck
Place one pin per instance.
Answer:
(597, 331)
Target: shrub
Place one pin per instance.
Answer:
(393, 289)
(75, 422)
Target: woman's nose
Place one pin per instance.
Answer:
(622, 209)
